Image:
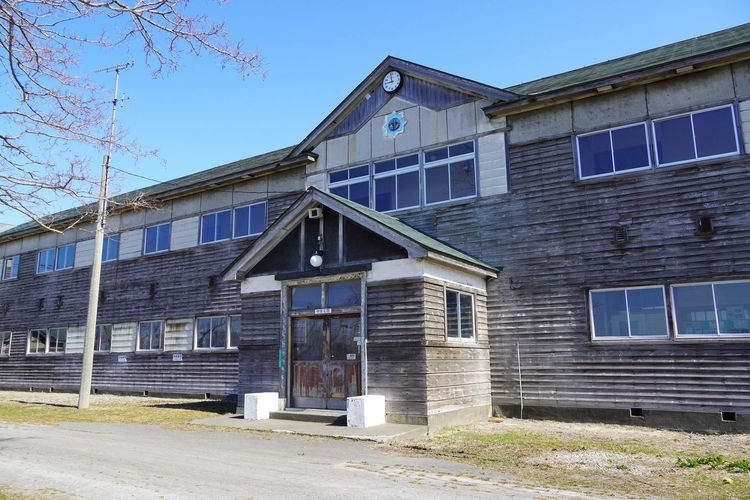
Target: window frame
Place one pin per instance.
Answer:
(228, 340)
(15, 265)
(215, 215)
(6, 339)
(703, 336)
(737, 141)
(249, 219)
(395, 173)
(630, 337)
(646, 131)
(157, 227)
(460, 337)
(447, 161)
(356, 180)
(162, 329)
(47, 345)
(55, 252)
(107, 244)
(97, 345)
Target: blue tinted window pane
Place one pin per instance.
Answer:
(674, 140)
(714, 132)
(10, 268)
(338, 176)
(224, 225)
(408, 190)
(436, 184)
(344, 294)
(385, 194)
(46, 262)
(360, 193)
(241, 221)
(385, 166)
(342, 191)
(111, 249)
(208, 228)
(461, 149)
(162, 242)
(362, 171)
(630, 148)
(306, 297)
(150, 239)
(647, 312)
(694, 310)
(258, 218)
(609, 313)
(595, 155)
(733, 307)
(407, 161)
(65, 257)
(463, 182)
(219, 332)
(435, 155)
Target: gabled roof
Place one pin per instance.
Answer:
(635, 67)
(416, 243)
(453, 82)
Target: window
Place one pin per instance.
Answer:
(10, 267)
(50, 341)
(157, 238)
(710, 133)
(103, 338)
(250, 220)
(150, 335)
(449, 173)
(613, 151)
(5, 343)
(216, 226)
(712, 309)
(459, 315)
(397, 183)
(55, 259)
(217, 332)
(638, 312)
(111, 247)
(352, 184)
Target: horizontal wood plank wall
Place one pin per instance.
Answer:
(553, 236)
(175, 284)
(396, 363)
(260, 343)
(458, 372)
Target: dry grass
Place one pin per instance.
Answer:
(595, 458)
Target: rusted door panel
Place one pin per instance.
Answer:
(308, 363)
(344, 362)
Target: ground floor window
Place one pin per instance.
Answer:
(459, 315)
(150, 335)
(5, 343)
(629, 312)
(103, 338)
(217, 332)
(712, 309)
(47, 341)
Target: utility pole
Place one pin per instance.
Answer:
(96, 267)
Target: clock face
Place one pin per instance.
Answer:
(391, 81)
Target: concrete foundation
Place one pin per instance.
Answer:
(259, 405)
(365, 411)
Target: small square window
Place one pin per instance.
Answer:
(157, 238)
(459, 315)
(10, 267)
(111, 248)
(216, 226)
(250, 220)
(613, 151)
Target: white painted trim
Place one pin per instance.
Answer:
(255, 284)
(413, 268)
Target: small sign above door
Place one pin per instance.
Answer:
(327, 310)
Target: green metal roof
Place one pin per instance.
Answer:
(418, 237)
(674, 52)
(199, 179)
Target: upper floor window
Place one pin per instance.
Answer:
(157, 238)
(111, 247)
(217, 332)
(396, 183)
(699, 135)
(459, 315)
(103, 338)
(611, 151)
(54, 259)
(352, 184)
(5, 343)
(9, 269)
(47, 341)
(150, 335)
(712, 309)
(216, 226)
(637, 312)
(250, 220)
(449, 173)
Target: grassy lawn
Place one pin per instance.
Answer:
(594, 458)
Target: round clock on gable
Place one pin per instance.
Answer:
(391, 81)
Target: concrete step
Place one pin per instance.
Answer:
(330, 417)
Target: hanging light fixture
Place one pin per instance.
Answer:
(316, 260)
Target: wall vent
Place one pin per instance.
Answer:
(315, 213)
(704, 225)
(40, 304)
(152, 290)
(728, 416)
(636, 412)
(620, 235)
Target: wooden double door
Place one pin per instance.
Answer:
(326, 361)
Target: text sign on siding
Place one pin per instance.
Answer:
(323, 311)
(122, 358)
(177, 356)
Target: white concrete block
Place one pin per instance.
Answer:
(184, 233)
(84, 253)
(130, 220)
(492, 164)
(365, 411)
(250, 191)
(616, 108)
(382, 145)
(217, 199)
(462, 121)
(410, 138)
(433, 126)
(123, 337)
(337, 152)
(288, 181)
(186, 206)
(162, 213)
(320, 163)
(695, 89)
(360, 148)
(317, 180)
(178, 334)
(394, 104)
(131, 244)
(75, 339)
(258, 405)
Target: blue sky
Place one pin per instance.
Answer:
(316, 52)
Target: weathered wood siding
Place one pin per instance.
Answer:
(553, 237)
(259, 343)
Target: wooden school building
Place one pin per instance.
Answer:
(577, 246)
